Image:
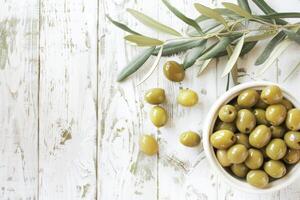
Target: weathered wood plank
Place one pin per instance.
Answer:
(19, 26)
(68, 100)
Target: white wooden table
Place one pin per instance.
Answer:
(69, 131)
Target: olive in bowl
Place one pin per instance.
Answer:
(267, 147)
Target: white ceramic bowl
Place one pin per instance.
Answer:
(209, 151)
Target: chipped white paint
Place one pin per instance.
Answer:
(58, 66)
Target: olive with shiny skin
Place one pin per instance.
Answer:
(237, 153)
(227, 113)
(222, 157)
(276, 149)
(245, 121)
(292, 121)
(248, 98)
(243, 139)
(173, 71)
(292, 139)
(276, 114)
(275, 168)
(158, 116)
(225, 126)
(222, 139)
(271, 95)
(189, 139)
(277, 131)
(292, 156)
(257, 178)
(239, 170)
(287, 104)
(261, 104)
(187, 97)
(155, 96)
(260, 116)
(148, 145)
(255, 159)
(260, 136)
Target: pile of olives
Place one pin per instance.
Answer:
(159, 116)
(256, 136)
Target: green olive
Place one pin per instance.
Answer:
(261, 104)
(148, 145)
(255, 159)
(187, 97)
(245, 121)
(292, 139)
(293, 119)
(227, 113)
(257, 178)
(260, 116)
(237, 153)
(158, 116)
(236, 105)
(242, 138)
(155, 96)
(292, 156)
(260, 136)
(189, 139)
(222, 157)
(275, 168)
(276, 114)
(174, 71)
(276, 149)
(239, 170)
(271, 95)
(225, 126)
(277, 131)
(248, 98)
(222, 139)
(287, 104)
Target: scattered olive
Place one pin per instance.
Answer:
(292, 139)
(260, 116)
(276, 149)
(174, 71)
(248, 98)
(243, 139)
(237, 153)
(255, 159)
(276, 114)
(275, 168)
(155, 96)
(245, 121)
(227, 113)
(293, 119)
(261, 104)
(257, 178)
(292, 156)
(187, 97)
(260, 136)
(225, 126)
(222, 139)
(158, 116)
(189, 139)
(239, 170)
(277, 131)
(271, 95)
(148, 145)
(222, 157)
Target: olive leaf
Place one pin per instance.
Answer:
(292, 72)
(295, 36)
(135, 64)
(204, 66)
(143, 40)
(281, 15)
(177, 47)
(153, 67)
(234, 56)
(245, 5)
(211, 13)
(193, 55)
(270, 47)
(238, 10)
(148, 21)
(261, 36)
(279, 49)
(122, 26)
(181, 16)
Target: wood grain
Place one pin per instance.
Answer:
(19, 99)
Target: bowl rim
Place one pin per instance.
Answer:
(209, 152)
